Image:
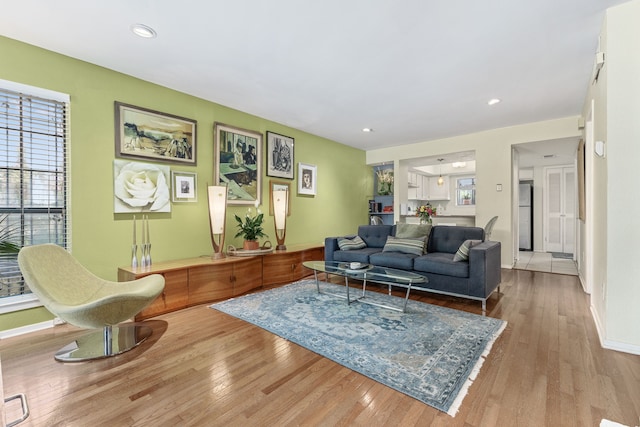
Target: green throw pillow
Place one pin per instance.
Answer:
(406, 246)
(463, 251)
(409, 231)
(346, 244)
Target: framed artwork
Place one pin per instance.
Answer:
(279, 185)
(279, 156)
(146, 134)
(140, 187)
(238, 156)
(184, 187)
(307, 179)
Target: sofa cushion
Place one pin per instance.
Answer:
(397, 260)
(448, 239)
(441, 263)
(346, 244)
(357, 255)
(405, 246)
(375, 236)
(412, 230)
(462, 254)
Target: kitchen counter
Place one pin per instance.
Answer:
(465, 220)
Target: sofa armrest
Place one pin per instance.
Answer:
(484, 268)
(331, 245)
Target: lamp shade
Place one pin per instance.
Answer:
(280, 205)
(217, 197)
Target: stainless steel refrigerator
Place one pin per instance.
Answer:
(525, 208)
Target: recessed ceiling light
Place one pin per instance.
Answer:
(144, 31)
(493, 101)
(367, 130)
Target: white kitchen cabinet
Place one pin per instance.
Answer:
(415, 186)
(425, 193)
(412, 193)
(439, 192)
(412, 179)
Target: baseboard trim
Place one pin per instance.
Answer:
(27, 329)
(609, 344)
(621, 346)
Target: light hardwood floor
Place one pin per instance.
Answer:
(205, 368)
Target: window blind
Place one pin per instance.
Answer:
(33, 178)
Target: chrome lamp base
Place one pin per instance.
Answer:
(108, 342)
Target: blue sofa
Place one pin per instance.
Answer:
(475, 278)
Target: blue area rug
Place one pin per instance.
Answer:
(430, 353)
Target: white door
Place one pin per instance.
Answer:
(560, 196)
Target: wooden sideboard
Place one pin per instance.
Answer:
(200, 280)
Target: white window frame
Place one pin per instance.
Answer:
(473, 199)
(29, 300)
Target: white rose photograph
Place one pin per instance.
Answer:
(140, 187)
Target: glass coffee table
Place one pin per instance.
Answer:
(366, 273)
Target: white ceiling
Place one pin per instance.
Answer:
(413, 70)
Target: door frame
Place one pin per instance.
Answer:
(545, 207)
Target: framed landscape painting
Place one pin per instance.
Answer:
(144, 134)
(238, 156)
(279, 155)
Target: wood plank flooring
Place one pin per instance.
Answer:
(205, 368)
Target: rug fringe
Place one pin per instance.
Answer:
(455, 406)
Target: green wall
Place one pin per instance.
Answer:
(101, 240)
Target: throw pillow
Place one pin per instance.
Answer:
(346, 244)
(408, 231)
(406, 246)
(463, 251)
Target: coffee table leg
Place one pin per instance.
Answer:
(406, 298)
(346, 283)
(315, 274)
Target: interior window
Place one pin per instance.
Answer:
(465, 192)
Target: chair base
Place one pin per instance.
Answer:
(110, 341)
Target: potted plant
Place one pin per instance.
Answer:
(250, 229)
(7, 247)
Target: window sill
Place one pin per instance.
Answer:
(18, 303)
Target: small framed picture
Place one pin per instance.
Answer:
(279, 185)
(279, 156)
(184, 187)
(307, 179)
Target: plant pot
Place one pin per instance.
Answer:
(251, 245)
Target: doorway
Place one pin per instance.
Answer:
(550, 166)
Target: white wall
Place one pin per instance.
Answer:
(493, 166)
(616, 288)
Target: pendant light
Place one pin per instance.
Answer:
(440, 178)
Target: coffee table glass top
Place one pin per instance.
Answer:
(366, 272)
